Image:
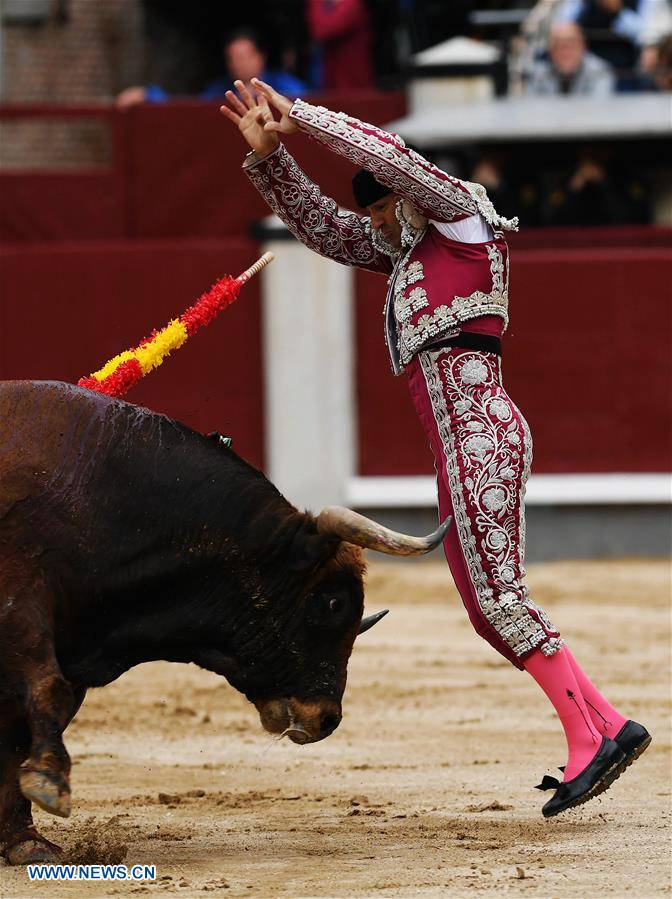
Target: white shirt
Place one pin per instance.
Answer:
(473, 229)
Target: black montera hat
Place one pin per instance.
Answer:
(367, 190)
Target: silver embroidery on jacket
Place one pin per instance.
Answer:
(313, 218)
(487, 463)
(406, 304)
(349, 238)
(411, 235)
(407, 173)
(497, 300)
(414, 336)
(486, 208)
(382, 158)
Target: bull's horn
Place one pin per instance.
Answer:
(370, 620)
(357, 529)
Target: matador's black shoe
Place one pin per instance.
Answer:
(595, 778)
(632, 740)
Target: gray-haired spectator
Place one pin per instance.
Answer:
(615, 29)
(570, 68)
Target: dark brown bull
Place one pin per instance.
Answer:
(127, 537)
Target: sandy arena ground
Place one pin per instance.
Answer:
(426, 789)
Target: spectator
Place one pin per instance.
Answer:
(531, 44)
(182, 52)
(570, 67)
(595, 194)
(343, 30)
(489, 170)
(245, 59)
(614, 28)
(656, 65)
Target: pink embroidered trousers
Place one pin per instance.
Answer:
(482, 451)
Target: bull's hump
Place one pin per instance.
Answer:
(58, 398)
(56, 429)
(63, 432)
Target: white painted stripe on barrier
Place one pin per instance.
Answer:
(542, 490)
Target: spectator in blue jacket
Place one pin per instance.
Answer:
(245, 59)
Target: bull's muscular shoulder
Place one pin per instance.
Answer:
(59, 441)
(72, 441)
(36, 419)
(50, 428)
(44, 405)
(38, 409)
(54, 410)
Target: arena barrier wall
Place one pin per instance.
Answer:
(93, 260)
(173, 171)
(66, 308)
(586, 358)
(84, 202)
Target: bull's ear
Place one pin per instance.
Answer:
(310, 551)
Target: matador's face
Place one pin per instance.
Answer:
(384, 219)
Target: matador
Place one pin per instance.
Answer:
(442, 246)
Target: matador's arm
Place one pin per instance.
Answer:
(312, 217)
(432, 192)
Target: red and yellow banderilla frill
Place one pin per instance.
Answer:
(118, 375)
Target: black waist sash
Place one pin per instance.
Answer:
(469, 340)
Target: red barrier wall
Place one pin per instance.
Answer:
(586, 357)
(72, 204)
(187, 167)
(61, 206)
(587, 354)
(65, 309)
(176, 172)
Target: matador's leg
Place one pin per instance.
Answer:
(483, 450)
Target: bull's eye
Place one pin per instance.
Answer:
(332, 611)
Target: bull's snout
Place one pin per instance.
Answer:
(302, 722)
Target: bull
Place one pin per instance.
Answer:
(126, 537)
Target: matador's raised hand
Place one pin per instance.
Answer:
(282, 104)
(250, 114)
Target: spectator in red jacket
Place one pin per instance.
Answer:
(343, 30)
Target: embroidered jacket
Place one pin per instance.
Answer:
(460, 281)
